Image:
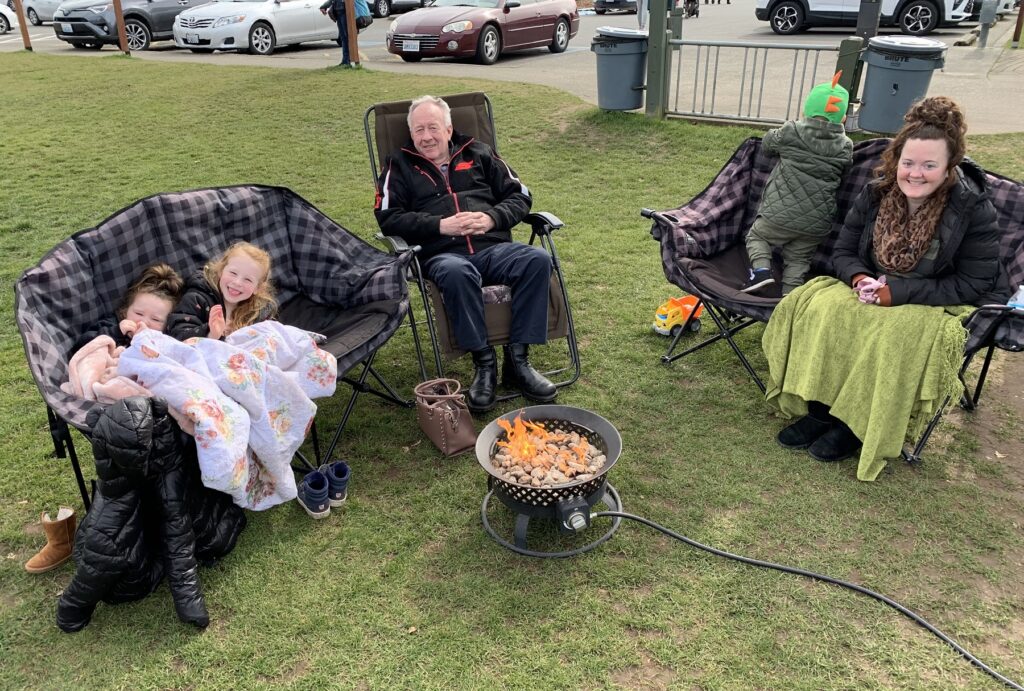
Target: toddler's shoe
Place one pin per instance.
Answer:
(759, 278)
(337, 481)
(313, 495)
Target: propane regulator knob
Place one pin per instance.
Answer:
(576, 521)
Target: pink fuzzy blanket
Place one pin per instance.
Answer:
(92, 375)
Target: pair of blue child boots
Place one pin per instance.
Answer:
(324, 488)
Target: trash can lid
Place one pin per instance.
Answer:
(622, 32)
(906, 44)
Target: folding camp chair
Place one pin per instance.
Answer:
(703, 252)
(387, 129)
(327, 280)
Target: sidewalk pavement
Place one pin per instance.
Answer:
(987, 82)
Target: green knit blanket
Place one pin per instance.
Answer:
(883, 370)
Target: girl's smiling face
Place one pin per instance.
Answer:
(151, 310)
(240, 278)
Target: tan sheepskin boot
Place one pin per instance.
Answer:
(60, 536)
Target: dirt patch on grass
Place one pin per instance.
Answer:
(647, 675)
(997, 424)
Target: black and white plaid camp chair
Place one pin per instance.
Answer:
(703, 252)
(327, 280)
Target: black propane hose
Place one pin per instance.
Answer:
(918, 619)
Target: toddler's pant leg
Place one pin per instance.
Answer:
(759, 248)
(796, 261)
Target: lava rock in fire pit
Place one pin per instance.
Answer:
(530, 455)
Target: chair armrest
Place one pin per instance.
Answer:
(662, 222)
(543, 223)
(396, 244)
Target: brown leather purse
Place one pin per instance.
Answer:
(442, 413)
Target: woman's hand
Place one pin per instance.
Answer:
(870, 290)
(218, 325)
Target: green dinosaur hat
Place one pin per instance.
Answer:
(827, 100)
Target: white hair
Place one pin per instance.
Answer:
(433, 100)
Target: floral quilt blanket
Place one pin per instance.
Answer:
(249, 398)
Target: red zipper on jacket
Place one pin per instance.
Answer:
(447, 181)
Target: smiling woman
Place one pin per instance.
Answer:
(484, 29)
(863, 356)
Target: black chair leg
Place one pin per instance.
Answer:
(64, 447)
(982, 376)
(914, 457)
(725, 332)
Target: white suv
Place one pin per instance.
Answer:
(915, 17)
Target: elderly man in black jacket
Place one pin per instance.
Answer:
(458, 200)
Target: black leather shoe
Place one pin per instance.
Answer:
(838, 444)
(481, 394)
(803, 432)
(518, 374)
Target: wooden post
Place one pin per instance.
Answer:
(22, 24)
(657, 60)
(353, 32)
(122, 39)
(1017, 28)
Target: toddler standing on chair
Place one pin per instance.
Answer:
(799, 200)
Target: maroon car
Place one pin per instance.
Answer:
(482, 28)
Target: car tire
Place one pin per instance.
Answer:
(919, 17)
(137, 34)
(33, 18)
(675, 330)
(412, 58)
(787, 18)
(600, 11)
(695, 326)
(560, 39)
(4, 26)
(488, 45)
(382, 8)
(261, 39)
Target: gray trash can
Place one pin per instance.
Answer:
(899, 72)
(621, 67)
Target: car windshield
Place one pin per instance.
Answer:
(464, 3)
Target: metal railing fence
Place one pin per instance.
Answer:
(735, 81)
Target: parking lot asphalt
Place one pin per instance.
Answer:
(972, 75)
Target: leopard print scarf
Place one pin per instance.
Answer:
(901, 239)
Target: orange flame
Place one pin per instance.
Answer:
(525, 440)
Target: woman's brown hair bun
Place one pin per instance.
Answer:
(941, 112)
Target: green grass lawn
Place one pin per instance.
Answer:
(402, 588)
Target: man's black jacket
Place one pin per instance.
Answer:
(414, 195)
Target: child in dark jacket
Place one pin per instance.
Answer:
(799, 200)
(147, 304)
(231, 292)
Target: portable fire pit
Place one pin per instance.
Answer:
(550, 462)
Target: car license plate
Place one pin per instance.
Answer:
(191, 38)
(66, 28)
(411, 46)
